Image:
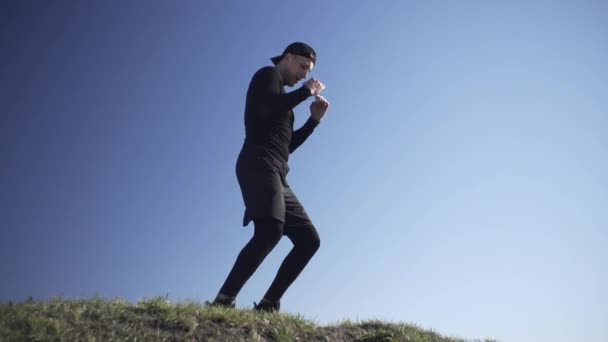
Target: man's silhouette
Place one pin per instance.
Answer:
(262, 169)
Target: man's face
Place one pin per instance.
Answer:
(297, 68)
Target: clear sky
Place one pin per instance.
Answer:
(459, 180)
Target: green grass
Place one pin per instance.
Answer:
(156, 319)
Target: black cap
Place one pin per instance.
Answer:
(300, 49)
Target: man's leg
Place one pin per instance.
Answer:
(306, 242)
(267, 234)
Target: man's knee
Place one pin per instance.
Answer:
(270, 230)
(313, 241)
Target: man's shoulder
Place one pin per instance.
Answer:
(267, 71)
(265, 76)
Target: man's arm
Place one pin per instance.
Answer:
(267, 84)
(317, 111)
(300, 135)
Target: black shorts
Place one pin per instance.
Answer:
(266, 193)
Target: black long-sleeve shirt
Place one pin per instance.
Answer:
(269, 116)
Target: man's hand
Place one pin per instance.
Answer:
(318, 108)
(315, 86)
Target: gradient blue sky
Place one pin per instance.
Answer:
(459, 180)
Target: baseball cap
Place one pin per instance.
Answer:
(300, 49)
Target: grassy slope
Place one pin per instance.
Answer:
(156, 319)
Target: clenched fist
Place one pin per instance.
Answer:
(318, 108)
(315, 86)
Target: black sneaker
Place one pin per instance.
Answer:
(266, 305)
(229, 302)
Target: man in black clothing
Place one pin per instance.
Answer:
(262, 169)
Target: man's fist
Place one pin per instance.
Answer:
(318, 107)
(315, 86)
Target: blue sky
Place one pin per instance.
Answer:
(458, 180)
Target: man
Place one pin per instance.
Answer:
(262, 169)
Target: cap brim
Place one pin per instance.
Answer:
(276, 59)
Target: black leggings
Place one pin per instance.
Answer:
(267, 234)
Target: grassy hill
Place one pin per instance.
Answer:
(156, 319)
